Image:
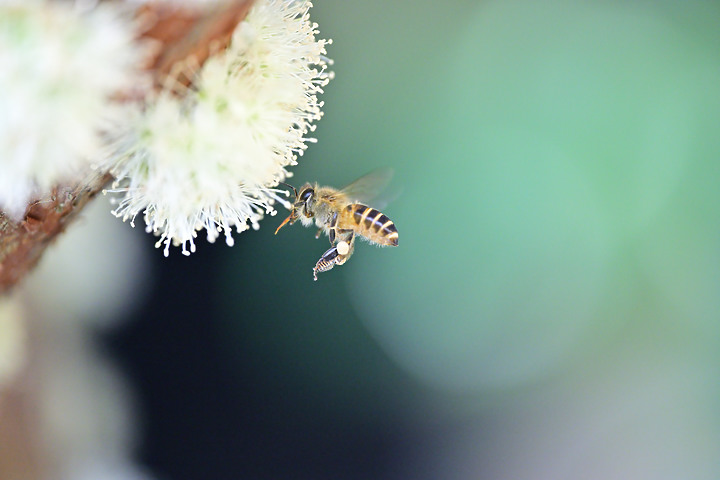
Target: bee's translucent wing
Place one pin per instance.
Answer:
(369, 186)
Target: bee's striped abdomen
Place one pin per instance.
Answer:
(371, 224)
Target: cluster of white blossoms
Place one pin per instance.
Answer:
(59, 65)
(210, 156)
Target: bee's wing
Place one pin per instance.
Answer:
(369, 186)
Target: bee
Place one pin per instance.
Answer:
(343, 216)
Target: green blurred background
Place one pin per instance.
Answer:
(553, 308)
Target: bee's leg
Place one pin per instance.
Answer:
(334, 256)
(333, 228)
(319, 232)
(326, 262)
(345, 252)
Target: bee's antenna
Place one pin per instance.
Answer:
(290, 186)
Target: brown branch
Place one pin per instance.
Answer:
(181, 34)
(186, 33)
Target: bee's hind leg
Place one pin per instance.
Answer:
(346, 246)
(326, 262)
(337, 254)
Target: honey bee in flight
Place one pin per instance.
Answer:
(342, 215)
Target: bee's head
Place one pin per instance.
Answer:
(302, 204)
(305, 199)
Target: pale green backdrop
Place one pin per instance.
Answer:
(554, 301)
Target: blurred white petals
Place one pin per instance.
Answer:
(59, 66)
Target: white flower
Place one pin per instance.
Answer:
(210, 156)
(58, 68)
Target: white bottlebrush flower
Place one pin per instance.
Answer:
(59, 65)
(211, 156)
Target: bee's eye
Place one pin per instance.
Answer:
(306, 194)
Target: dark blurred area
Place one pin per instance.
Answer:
(264, 375)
